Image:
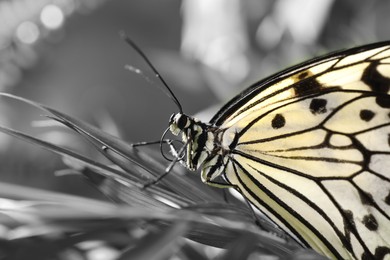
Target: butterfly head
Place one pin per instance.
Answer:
(194, 135)
(179, 122)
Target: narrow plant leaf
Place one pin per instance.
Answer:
(102, 168)
(306, 254)
(123, 154)
(241, 248)
(103, 140)
(192, 253)
(248, 245)
(33, 209)
(159, 244)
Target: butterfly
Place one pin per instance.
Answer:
(310, 148)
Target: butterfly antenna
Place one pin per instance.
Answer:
(126, 38)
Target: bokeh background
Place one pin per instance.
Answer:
(67, 54)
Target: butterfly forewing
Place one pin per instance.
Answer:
(310, 147)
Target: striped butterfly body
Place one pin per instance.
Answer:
(310, 148)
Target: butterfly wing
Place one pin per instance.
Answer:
(310, 147)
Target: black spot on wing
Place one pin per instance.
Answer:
(303, 75)
(380, 253)
(306, 86)
(387, 199)
(383, 101)
(366, 198)
(378, 83)
(318, 106)
(370, 222)
(278, 121)
(388, 139)
(366, 115)
(349, 225)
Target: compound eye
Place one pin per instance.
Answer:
(182, 122)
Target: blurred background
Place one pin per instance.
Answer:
(67, 54)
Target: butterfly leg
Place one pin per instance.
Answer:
(167, 170)
(166, 141)
(254, 216)
(159, 178)
(144, 143)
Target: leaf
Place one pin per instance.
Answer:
(121, 179)
(157, 244)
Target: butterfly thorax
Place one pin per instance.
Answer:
(203, 143)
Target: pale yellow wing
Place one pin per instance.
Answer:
(311, 149)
